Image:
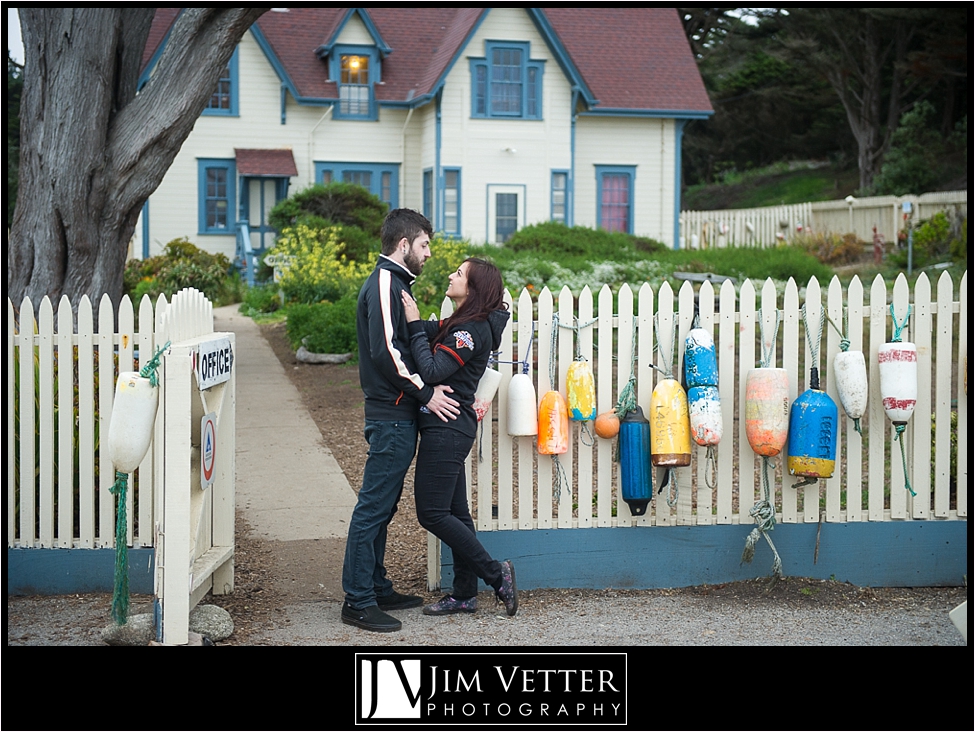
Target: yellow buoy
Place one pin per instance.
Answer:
(670, 428)
(580, 389)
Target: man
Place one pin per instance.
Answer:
(393, 394)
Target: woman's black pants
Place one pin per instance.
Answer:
(440, 489)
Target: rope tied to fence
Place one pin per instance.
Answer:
(670, 474)
(119, 489)
(768, 351)
(764, 514)
(900, 429)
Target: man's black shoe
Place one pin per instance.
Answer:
(370, 618)
(396, 601)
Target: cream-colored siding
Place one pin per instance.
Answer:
(493, 155)
(494, 152)
(647, 145)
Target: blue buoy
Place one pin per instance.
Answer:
(812, 432)
(700, 359)
(635, 477)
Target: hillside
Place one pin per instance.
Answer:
(784, 183)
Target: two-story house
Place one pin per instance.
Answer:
(484, 119)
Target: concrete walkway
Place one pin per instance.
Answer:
(289, 486)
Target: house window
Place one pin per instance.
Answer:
(560, 196)
(615, 190)
(217, 183)
(356, 70)
(428, 194)
(223, 101)
(506, 211)
(451, 201)
(507, 83)
(381, 180)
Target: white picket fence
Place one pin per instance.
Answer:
(769, 225)
(47, 510)
(517, 489)
(68, 374)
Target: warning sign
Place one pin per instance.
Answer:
(208, 449)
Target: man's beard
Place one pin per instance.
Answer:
(413, 262)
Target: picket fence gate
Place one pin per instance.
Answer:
(516, 489)
(58, 484)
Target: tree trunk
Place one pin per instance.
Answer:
(92, 149)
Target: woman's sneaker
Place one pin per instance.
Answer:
(508, 593)
(450, 605)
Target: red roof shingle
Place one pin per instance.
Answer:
(275, 162)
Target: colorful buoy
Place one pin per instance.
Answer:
(670, 439)
(636, 483)
(580, 389)
(812, 433)
(553, 424)
(767, 410)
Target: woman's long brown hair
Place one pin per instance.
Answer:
(485, 294)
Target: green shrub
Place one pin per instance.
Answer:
(261, 299)
(934, 240)
(346, 204)
(324, 327)
(558, 241)
(320, 270)
(181, 265)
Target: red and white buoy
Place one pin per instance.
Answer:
(898, 380)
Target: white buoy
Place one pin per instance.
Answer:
(898, 380)
(850, 378)
(522, 406)
(133, 415)
(487, 387)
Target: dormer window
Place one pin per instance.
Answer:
(507, 83)
(354, 90)
(223, 101)
(355, 70)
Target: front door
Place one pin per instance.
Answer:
(258, 196)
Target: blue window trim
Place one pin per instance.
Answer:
(568, 194)
(377, 169)
(375, 76)
(460, 206)
(481, 108)
(234, 110)
(231, 167)
(428, 194)
(603, 170)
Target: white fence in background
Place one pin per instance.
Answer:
(771, 224)
(868, 483)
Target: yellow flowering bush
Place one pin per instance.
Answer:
(318, 269)
(430, 287)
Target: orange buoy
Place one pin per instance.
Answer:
(767, 410)
(670, 428)
(580, 389)
(607, 425)
(553, 424)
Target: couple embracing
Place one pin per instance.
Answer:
(418, 378)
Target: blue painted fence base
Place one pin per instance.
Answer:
(887, 554)
(73, 571)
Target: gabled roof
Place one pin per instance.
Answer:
(623, 60)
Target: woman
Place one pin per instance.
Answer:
(455, 352)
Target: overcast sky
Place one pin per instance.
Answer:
(14, 44)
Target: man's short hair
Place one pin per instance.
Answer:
(403, 223)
